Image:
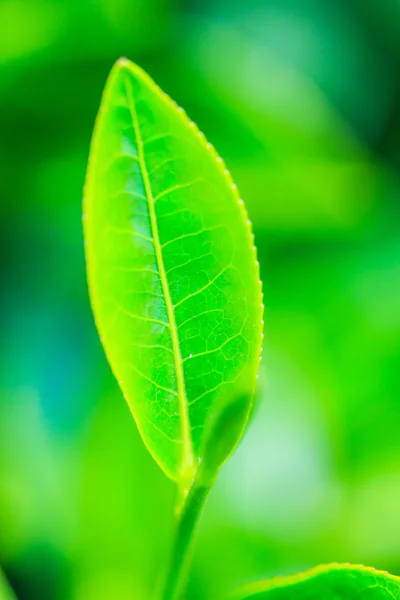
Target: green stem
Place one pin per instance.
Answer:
(189, 509)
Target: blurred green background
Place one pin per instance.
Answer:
(302, 99)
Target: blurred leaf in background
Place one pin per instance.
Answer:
(302, 98)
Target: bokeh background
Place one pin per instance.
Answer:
(302, 99)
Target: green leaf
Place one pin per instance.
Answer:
(173, 276)
(6, 592)
(327, 582)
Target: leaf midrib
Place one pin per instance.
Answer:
(188, 463)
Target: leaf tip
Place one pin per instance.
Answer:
(122, 60)
(127, 65)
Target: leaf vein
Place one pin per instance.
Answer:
(188, 459)
(141, 317)
(193, 234)
(203, 288)
(150, 380)
(178, 186)
(127, 231)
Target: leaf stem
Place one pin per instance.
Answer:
(189, 507)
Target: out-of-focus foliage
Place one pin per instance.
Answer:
(302, 98)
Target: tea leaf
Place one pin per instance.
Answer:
(329, 582)
(172, 271)
(6, 592)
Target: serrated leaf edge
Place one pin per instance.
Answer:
(289, 580)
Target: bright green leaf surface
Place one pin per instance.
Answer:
(327, 582)
(173, 276)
